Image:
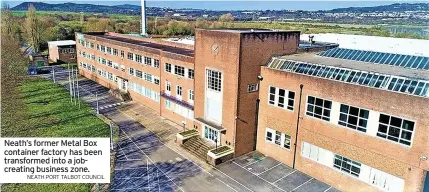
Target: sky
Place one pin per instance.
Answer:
(310, 5)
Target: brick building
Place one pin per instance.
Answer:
(62, 51)
(241, 88)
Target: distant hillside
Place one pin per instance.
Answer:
(397, 7)
(73, 7)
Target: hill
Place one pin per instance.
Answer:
(397, 7)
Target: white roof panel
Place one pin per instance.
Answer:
(62, 43)
(417, 47)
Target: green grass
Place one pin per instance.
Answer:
(221, 150)
(49, 113)
(189, 133)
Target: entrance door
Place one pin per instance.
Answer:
(124, 84)
(211, 134)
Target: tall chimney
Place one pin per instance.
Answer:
(143, 23)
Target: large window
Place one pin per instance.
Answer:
(139, 74)
(156, 63)
(131, 71)
(147, 61)
(122, 53)
(115, 52)
(130, 56)
(395, 129)
(277, 138)
(179, 90)
(168, 67)
(347, 165)
(281, 98)
(138, 58)
(168, 86)
(178, 70)
(214, 80)
(148, 77)
(353, 117)
(190, 73)
(319, 108)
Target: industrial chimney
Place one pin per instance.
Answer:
(143, 23)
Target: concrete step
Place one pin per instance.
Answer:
(197, 147)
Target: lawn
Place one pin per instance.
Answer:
(49, 113)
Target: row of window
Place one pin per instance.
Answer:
(179, 92)
(277, 138)
(281, 98)
(178, 109)
(408, 61)
(376, 80)
(395, 129)
(143, 75)
(67, 50)
(179, 70)
(86, 43)
(143, 59)
(144, 91)
(87, 55)
(88, 67)
(372, 176)
(107, 75)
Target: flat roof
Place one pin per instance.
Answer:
(166, 48)
(250, 30)
(313, 58)
(62, 43)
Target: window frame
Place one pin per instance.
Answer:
(400, 130)
(179, 70)
(168, 67)
(286, 98)
(214, 83)
(357, 126)
(314, 108)
(253, 87)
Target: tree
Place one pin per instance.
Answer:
(226, 18)
(32, 28)
(7, 20)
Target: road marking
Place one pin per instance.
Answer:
(120, 148)
(130, 168)
(191, 160)
(328, 189)
(269, 169)
(259, 177)
(283, 177)
(152, 162)
(302, 184)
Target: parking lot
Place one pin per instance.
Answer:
(261, 173)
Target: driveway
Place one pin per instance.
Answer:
(260, 172)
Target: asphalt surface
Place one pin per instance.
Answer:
(145, 163)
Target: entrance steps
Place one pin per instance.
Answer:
(197, 147)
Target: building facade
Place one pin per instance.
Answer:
(356, 125)
(62, 51)
(330, 115)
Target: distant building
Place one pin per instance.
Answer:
(62, 51)
(39, 59)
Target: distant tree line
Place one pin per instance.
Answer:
(37, 28)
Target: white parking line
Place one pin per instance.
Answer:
(193, 161)
(328, 189)
(302, 184)
(269, 169)
(283, 177)
(153, 162)
(130, 168)
(258, 176)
